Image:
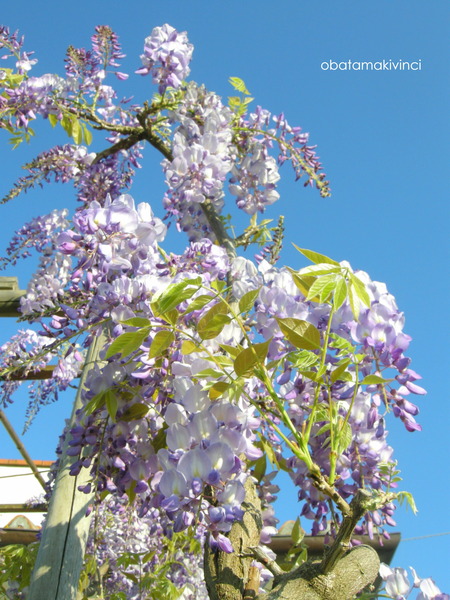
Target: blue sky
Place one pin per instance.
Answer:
(383, 139)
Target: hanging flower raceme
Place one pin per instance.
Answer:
(202, 157)
(167, 54)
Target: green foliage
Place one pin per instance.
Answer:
(316, 258)
(16, 565)
(248, 360)
(212, 323)
(174, 294)
(300, 334)
(128, 342)
(239, 104)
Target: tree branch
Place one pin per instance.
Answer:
(354, 572)
(226, 575)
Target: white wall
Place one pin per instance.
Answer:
(18, 485)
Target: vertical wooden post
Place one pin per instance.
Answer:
(61, 552)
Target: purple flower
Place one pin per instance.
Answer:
(396, 581)
(167, 54)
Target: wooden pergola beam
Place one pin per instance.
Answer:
(10, 295)
(19, 375)
(23, 508)
(21, 448)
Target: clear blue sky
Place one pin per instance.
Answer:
(383, 138)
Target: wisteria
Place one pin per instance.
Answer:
(398, 586)
(212, 362)
(167, 54)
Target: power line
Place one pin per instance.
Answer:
(22, 474)
(422, 537)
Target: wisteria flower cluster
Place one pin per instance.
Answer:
(129, 550)
(398, 586)
(167, 54)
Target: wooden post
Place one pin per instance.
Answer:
(61, 552)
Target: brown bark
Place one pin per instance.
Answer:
(339, 576)
(351, 574)
(226, 575)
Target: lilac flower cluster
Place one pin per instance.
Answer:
(86, 69)
(202, 158)
(34, 96)
(254, 179)
(258, 133)
(30, 351)
(39, 234)
(378, 335)
(22, 350)
(167, 54)
(202, 256)
(12, 45)
(93, 180)
(398, 586)
(117, 532)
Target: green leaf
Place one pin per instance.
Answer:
(250, 357)
(53, 119)
(87, 135)
(137, 322)
(297, 533)
(259, 470)
(340, 343)
(218, 389)
(135, 412)
(77, 133)
(340, 293)
(98, 401)
(345, 436)
(198, 303)
(209, 373)
(187, 347)
(360, 289)
(322, 287)
(212, 323)
(354, 301)
(223, 361)
(161, 342)
(248, 300)
(159, 441)
(319, 269)
(177, 293)
(233, 351)
(339, 370)
(214, 327)
(300, 334)
(313, 375)
(111, 403)
(303, 282)
(374, 380)
(303, 359)
(268, 451)
(66, 123)
(239, 85)
(408, 497)
(128, 342)
(170, 316)
(315, 257)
